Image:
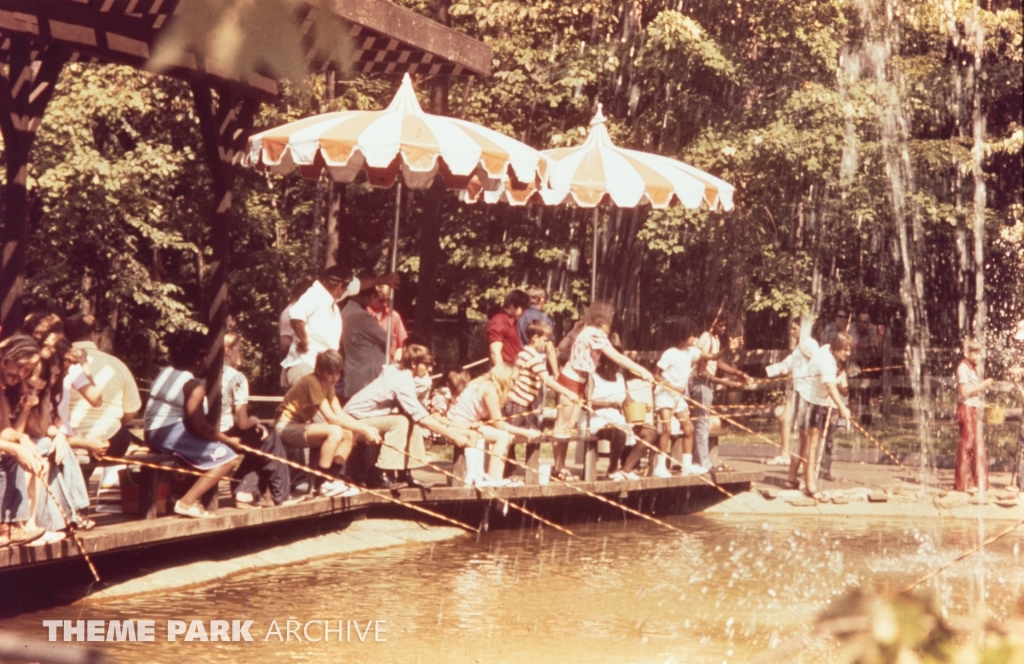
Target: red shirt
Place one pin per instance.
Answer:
(502, 327)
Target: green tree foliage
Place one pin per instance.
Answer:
(780, 99)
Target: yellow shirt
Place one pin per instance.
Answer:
(120, 395)
(302, 402)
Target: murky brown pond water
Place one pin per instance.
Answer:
(730, 588)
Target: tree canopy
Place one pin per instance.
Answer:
(850, 137)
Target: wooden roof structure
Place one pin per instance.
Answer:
(386, 39)
(37, 37)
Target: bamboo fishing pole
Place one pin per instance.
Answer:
(651, 447)
(385, 497)
(964, 556)
(593, 495)
(492, 494)
(71, 527)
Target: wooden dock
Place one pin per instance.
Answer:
(479, 508)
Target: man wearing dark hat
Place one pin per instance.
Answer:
(316, 319)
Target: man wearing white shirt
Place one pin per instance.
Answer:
(818, 397)
(796, 367)
(316, 318)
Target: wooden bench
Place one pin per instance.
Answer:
(149, 484)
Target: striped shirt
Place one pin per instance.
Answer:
(533, 370)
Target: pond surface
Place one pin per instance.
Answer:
(724, 592)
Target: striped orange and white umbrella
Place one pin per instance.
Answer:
(600, 173)
(402, 138)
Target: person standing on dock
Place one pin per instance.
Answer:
(316, 319)
(591, 343)
(502, 335)
(670, 400)
(819, 401)
(971, 460)
(535, 312)
(702, 385)
(796, 367)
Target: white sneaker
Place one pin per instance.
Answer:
(617, 476)
(779, 461)
(328, 489)
(663, 472)
(694, 469)
(349, 491)
(632, 476)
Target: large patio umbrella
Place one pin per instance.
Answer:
(600, 173)
(401, 139)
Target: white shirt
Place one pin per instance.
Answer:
(323, 322)
(822, 369)
(965, 375)
(586, 350)
(676, 365)
(797, 365)
(234, 388)
(612, 391)
(74, 380)
(710, 345)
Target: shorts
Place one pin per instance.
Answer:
(814, 416)
(576, 387)
(293, 433)
(665, 398)
(521, 416)
(802, 413)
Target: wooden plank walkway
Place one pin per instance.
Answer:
(117, 532)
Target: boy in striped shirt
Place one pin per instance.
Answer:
(523, 405)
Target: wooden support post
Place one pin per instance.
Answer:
(336, 228)
(430, 256)
(24, 93)
(225, 120)
(886, 373)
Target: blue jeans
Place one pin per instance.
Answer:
(701, 392)
(13, 492)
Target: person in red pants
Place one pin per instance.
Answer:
(971, 461)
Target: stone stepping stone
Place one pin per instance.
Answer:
(878, 497)
(803, 501)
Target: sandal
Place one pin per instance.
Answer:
(565, 475)
(84, 523)
(790, 484)
(815, 495)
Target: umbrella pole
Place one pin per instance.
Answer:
(593, 263)
(394, 267)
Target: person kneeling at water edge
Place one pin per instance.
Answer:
(176, 422)
(389, 406)
(311, 416)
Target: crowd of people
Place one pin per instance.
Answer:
(359, 402)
